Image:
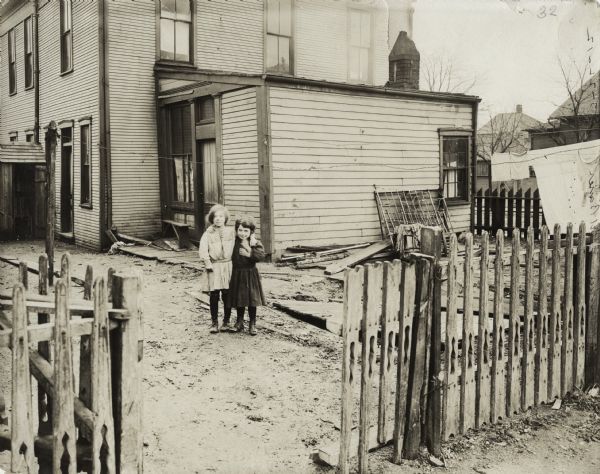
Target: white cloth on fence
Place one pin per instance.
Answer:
(508, 167)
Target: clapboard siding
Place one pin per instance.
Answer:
(329, 149)
(240, 154)
(321, 41)
(460, 216)
(70, 97)
(229, 35)
(17, 111)
(133, 147)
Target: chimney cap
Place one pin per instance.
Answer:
(404, 47)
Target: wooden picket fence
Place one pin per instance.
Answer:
(508, 210)
(451, 358)
(100, 430)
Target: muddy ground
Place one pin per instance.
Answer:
(236, 403)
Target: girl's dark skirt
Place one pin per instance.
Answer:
(245, 288)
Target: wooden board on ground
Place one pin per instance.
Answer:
(357, 257)
(323, 314)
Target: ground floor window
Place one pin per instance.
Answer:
(85, 166)
(455, 166)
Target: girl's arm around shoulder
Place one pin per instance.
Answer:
(257, 251)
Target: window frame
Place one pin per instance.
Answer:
(191, 39)
(12, 62)
(86, 123)
(370, 12)
(292, 61)
(13, 137)
(66, 68)
(28, 55)
(469, 136)
(28, 134)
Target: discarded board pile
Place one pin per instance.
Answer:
(462, 368)
(98, 430)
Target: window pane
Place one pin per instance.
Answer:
(29, 70)
(210, 172)
(365, 30)
(168, 9)
(285, 17)
(206, 109)
(11, 46)
(273, 16)
(184, 11)
(190, 180)
(66, 51)
(182, 41)
(179, 174)
(272, 58)
(85, 133)
(364, 64)
(167, 39)
(27, 35)
(354, 66)
(354, 28)
(284, 54)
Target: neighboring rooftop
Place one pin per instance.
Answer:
(587, 98)
(516, 121)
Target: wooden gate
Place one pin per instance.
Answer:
(98, 431)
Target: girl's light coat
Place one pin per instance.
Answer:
(216, 247)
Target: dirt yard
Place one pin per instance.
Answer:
(235, 403)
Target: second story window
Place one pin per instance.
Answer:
(278, 48)
(359, 60)
(12, 63)
(66, 36)
(28, 43)
(175, 30)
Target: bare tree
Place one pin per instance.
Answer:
(443, 73)
(503, 133)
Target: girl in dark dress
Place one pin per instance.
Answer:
(245, 289)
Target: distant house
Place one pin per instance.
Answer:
(287, 110)
(576, 120)
(504, 133)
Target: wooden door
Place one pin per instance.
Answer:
(39, 217)
(6, 200)
(66, 188)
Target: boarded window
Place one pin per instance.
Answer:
(456, 167)
(86, 166)
(278, 54)
(359, 60)
(12, 63)
(28, 49)
(66, 36)
(175, 30)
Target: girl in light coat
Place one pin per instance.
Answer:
(216, 247)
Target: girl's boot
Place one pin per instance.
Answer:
(239, 323)
(252, 329)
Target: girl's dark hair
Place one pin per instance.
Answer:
(247, 222)
(213, 210)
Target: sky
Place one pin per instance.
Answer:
(511, 47)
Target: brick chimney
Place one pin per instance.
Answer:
(519, 109)
(404, 62)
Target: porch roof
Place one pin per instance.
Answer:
(25, 153)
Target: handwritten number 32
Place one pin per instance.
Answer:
(544, 11)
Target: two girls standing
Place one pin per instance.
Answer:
(230, 257)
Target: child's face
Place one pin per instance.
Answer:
(219, 219)
(243, 232)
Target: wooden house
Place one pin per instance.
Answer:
(287, 110)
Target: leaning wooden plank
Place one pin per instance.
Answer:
(541, 331)
(592, 348)
(434, 401)
(408, 285)
(566, 359)
(451, 404)
(483, 379)
(64, 451)
(392, 272)
(467, 378)
(22, 451)
(103, 439)
(75, 309)
(352, 315)
(513, 377)
(33, 268)
(357, 257)
(416, 378)
(369, 328)
(498, 397)
(579, 317)
(554, 332)
(44, 401)
(528, 349)
(85, 356)
(45, 332)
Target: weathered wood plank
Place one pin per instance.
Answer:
(405, 324)
(392, 272)
(580, 310)
(435, 389)
(541, 332)
(467, 378)
(353, 290)
(64, 451)
(369, 328)
(85, 355)
(357, 257)
(22, 449)
(592, 352)
(513, 399)
(554, 346)
(44, 401)
(103, 442)
(566, 359)
(451, 402)
(528, 348)
(483, 379)
(498, 396)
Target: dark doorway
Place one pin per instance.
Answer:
(24, 201)
(66, 180)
